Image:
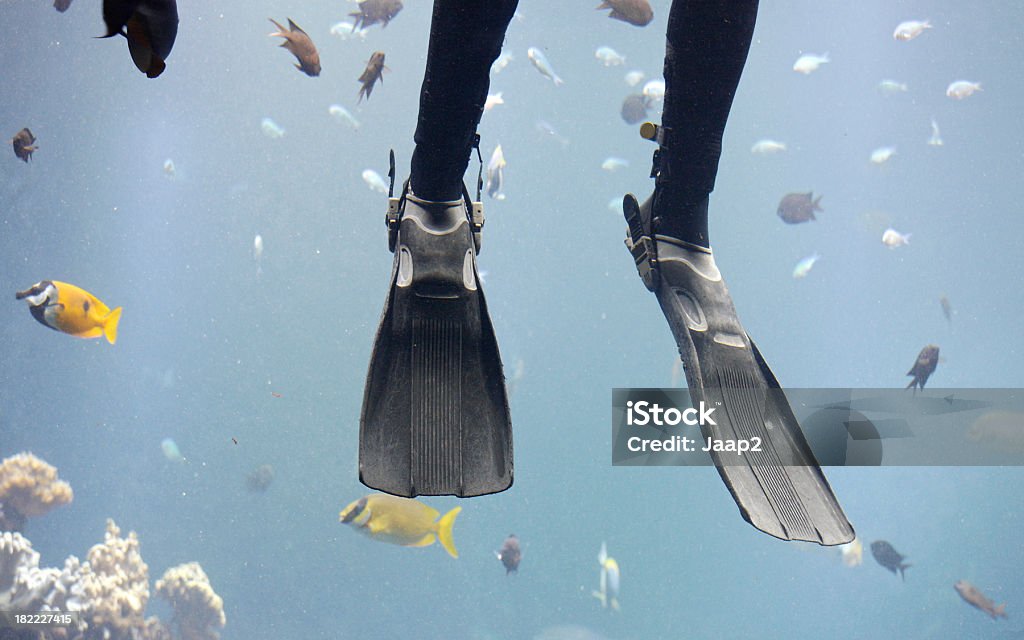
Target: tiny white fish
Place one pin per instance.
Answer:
(609, 57)
(910, 29)
(547, 128)
(892, 86)
(612, 163)
(257, 253)
(501, 62)
(493, 100)
(962, 89)
(271, 129)
(881, 155)
(615, 204)
(936, 139)
(374, 181)
(496, 174)
(893, 238)
(171, 450)
(803, 267)
(169, 169)
(344, 116)
(654, 89)
(540, 62)
(767, 146)
(635, 77)
(347, 29)
(809, 62)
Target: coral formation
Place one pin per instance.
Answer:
(198, 611)
(29, 487)
(114, 583)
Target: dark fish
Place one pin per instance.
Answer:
(510, 554)
(150, 27)
(259, 479)
(924, 366)
(947, 308)
(374, 71)
(636, 12)
(24, 144)
(373, 11)
(977, 599)
(888, 557)
(799, 207)
(634, 108)
(301, 46)
(61, 5)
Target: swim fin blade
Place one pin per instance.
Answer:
(435, 417)
(780, 490)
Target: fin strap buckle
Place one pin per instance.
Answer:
(393, 219)
(640, 244)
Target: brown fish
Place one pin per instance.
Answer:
(150, 27)
(977, 599)
(634, 108)
(510, 554)
(888, 557)
(636, 12)
(24, 144)
(374, 71)
(924, 366)
(61, 5)
(301, 46)
(799, 207)
(260, 478)
(373, 11)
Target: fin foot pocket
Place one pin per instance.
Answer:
(435, 417)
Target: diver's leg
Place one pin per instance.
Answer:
(780, 488)
(465, 38)
(707, 44)
(435, 418)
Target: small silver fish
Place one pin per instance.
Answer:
(374, 181)
(892, 86)
(341, 114)
(805, 265)
(540, 62)
(962, 89)
(169, 169)
(612, 163)
(810, 62)
(496, 174)
(271, 129)
(906, 31)
(609, 57)
(654, 89)
(936, 139)
(635, 77)
(767, 146)
(493, 100)
(893, 238)
(882, 155)
(501, 62)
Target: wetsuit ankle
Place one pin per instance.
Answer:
(681, 218)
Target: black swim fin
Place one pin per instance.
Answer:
(781, 490)
(435, 417)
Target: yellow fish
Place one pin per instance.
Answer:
(401, 521)
(74, 311)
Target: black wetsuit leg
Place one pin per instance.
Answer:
(707, 45)
(465, 39)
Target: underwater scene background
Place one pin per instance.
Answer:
(244, 363)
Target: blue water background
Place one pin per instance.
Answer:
(205, 339)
